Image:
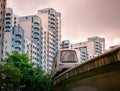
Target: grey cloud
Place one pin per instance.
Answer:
(85, 18)
(27, 7)
(80, 18)
(95, 14)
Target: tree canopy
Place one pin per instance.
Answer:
(17, 71)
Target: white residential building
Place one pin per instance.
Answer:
(51, 24)
(94, 46)
(13, 37)
(65, 44)
(42, 31)
(31, 51)
(18, 39)
(9, 24)
(14, 41)
(9, 20)
(33, 32)
(82, 47)
(11, 27)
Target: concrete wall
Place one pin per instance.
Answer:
(103, 82)
(101, 73)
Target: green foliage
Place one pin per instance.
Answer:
(22, 73)
(9, 77)
(42, 81)
(20, 60)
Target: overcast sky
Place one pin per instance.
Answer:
(80, 18)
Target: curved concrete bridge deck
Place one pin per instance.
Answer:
(101, 73)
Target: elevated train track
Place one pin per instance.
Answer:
(107, 63)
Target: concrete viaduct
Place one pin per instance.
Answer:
(101, 73)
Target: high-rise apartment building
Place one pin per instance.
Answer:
(94, 46)
(2, 25)
(51, 38)
(14, 41)
(11, 30)
(8, 32)
(33, 32)
(65, 44)
(14, 34)
(82, 47)
(18, 39)
(42, 35)
(31, 51)
(11, 20)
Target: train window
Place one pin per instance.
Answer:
(68, 56)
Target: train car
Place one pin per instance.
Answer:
(65, 59)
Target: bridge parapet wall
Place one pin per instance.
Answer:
(108, 58)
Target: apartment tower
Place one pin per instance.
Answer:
(94, 46)
(33, 32)
(13, 34)
(51, 36)
(65, 44)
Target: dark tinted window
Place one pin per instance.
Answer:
(68, 56)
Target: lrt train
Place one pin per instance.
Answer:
(65, 59)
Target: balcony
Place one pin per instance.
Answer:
(52, 14)
(18, 33)
(36, 33)
(53, 21)
(8, 18)
(36, 38)
(18, 36)
(18, 48)
(7, 27)
(8, 14)
(8, 22)
(36, 23)
(52, 26)
(18, 39)
(16, 45)
(36, 27)
(52, 18)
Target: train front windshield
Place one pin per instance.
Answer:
(68, 56)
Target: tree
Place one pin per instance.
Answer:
(42, 81)
(9, 77)
(33, 79)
